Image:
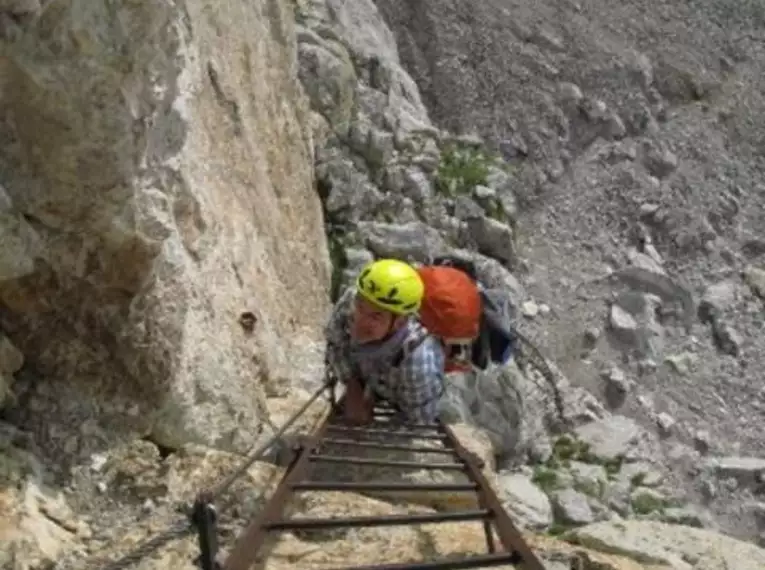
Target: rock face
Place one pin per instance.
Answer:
(392, 184)
(156, 188)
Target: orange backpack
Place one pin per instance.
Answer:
(451, 306)
(475, 324)
(451, 310)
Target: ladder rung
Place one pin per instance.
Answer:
(370, 521)
(388, 432)
(381, 486)
(377, 423)
(478, 561)
(391, 446)
(383, 463)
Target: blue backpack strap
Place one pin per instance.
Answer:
(497, 339)
(409, 345)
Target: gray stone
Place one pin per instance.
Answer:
(617, 496)
(702, 441)
(755, 278)
(642, 473)
(683, 363)
(20, 243)
(744, 469)
(591, 336)
(649, 209)
(530, 309)
(465, 208)
(659, 162)
(665, 423)
(637, 328)
(493, 238)
(661, 285)
(688, 515)
(352, 196)
(623, 325)
(569, 93)
(589, 479)
(615, 127)
(716, 300)
(415, 240)
(758, 510)
(727, 339)
(484, 193)
(617, 386)
(372, 143)
(410, 181)
(508, 405)
(330, 80)
(644, 261)
(526, 502)
(653, 253)
(660, 543)
(611, 437)
(572, 507)
(357, 258)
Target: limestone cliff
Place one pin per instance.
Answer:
(157, 183)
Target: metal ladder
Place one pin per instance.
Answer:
(513, 549)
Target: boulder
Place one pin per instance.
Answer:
(511, 407)
(677, 546)
(613, 438)
(526, 503)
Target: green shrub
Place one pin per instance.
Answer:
(461, 170)
(546, 479)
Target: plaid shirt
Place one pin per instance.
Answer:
(414, 387)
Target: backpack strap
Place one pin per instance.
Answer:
(497, 338)
(409, 346)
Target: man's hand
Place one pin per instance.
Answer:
(358, 409)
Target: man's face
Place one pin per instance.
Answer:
(368, 323)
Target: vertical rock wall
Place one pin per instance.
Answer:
(156, 166)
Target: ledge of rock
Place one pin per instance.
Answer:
(677, 546)
(155, 189)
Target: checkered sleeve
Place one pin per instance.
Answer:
(338, 337)
(421, 383)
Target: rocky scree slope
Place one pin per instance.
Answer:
(634, 131)
(369, 131)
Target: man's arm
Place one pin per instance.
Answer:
(358, 410)
(338, 339)
(421, 383)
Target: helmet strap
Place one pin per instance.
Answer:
(391, 327)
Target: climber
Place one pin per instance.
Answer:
(378, 349)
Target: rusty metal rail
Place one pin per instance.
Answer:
(513, 549)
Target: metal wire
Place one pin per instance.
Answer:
(186, 527)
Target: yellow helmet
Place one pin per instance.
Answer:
(391, 285)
